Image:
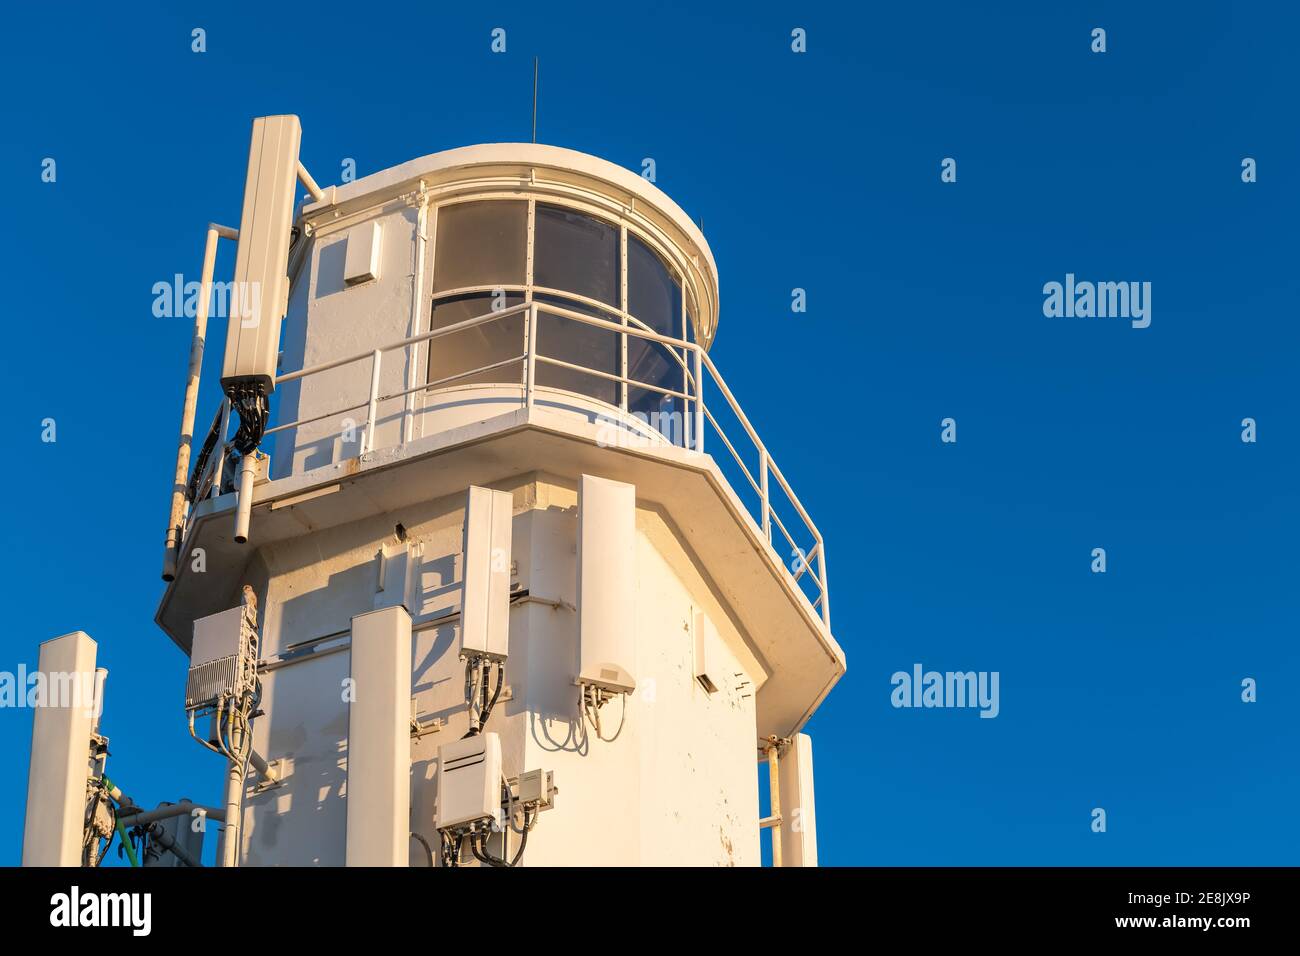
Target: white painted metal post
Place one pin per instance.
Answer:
(774, 793)
(234, 799)
(826, 591)
(799, 839)
(304, 177)
(699, 399)
(622, 297)
(192, 397)
(372, 408)
(530, 359)
(762, 483)
(60, 764)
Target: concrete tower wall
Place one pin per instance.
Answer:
(327, 320)
(683, 764)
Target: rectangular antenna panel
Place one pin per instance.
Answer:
(485, 611)
(60, 766)
(606, 583)
(260, 295)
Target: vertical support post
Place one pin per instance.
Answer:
(798, 804)
(379, 740)
(191, 400)
(762, 484)
(698, 436)
(821, 575)
(414, 368)
(372, 407)
(774, 792)
(529, 314)
(682, 333)
(530, 358)
(622, 298)
(62, 724)
(234, 799)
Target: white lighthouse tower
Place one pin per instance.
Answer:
(481, 562)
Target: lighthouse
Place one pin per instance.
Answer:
(480, 561)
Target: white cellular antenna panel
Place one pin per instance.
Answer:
(606, 578)
(260, 296)
(485, 612)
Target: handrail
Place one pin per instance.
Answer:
(693, 393)
(403, 343)
(753, 435)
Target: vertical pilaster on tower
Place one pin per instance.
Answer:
(379, 740)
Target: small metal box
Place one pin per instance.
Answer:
(223, 658)
(361, 260)
(469, 780)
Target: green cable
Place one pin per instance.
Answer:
(130, 850)
(121, 830)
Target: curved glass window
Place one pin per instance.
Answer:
(653, 293)
(576, 253)
(654, 296)
(473, 348)
(481, 263)
(480, 244)
(578, 344)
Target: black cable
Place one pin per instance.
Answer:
(489, 704)
(486, 703)
(200, 465)
(481, 851)
(451, 850)
(104, 852)
(424, 843)
(470, 692)
(249, 400)
(477, 847)
(523, 840)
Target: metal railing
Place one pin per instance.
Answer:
(807, 567)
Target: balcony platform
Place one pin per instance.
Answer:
(787, 635)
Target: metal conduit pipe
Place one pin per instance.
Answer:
(164, 840)
(134, 817)
(192, 397)
(262, 767)
(774, 793)
(244, 511)
(130, 815)
(305, 178)
(233, 799)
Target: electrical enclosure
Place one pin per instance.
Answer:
(469, 780)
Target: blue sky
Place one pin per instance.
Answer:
(819, 171)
